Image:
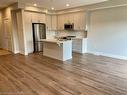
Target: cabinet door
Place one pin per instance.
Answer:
(48, 22)
(54, 22)
(71, 18)
(79, 21)
(61, 22)
(76, 21)
(82, 21)
(35, 18)
(42, 18)
(58, 22)
(66, 18)
(38, 18)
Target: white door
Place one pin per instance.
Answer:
(7, 36)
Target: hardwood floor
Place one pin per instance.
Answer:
(83, 75)
(4, 52)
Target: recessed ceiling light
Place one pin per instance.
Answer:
(52, 8)
(67, 5)
(35, 4)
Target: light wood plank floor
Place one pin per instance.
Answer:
(83, 75)
(4, 52)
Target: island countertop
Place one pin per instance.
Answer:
(55, 41)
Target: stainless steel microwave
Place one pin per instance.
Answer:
(69, 26)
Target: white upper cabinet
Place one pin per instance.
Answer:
(70, 18)
(54, 22)
(34, 18)
(76, 21)
(48, 22)
(38, 18)
(82, 21)
(66, 18)
(79, 21)
(51, 22)
(42, 18)
(77, 18)
(60, 22)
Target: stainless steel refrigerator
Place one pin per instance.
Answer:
(39, 32)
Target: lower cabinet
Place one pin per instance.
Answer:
(79, 45)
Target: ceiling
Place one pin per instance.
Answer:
(4, 3)
(56, 4)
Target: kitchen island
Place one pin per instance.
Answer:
(79, 45)
(61, 50)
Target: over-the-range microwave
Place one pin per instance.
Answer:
(69, 26)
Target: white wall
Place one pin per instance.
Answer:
(108, 32)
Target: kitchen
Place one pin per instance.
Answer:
(59, 29)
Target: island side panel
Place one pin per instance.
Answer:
(84, 45)
(67, 50)
(53, 50)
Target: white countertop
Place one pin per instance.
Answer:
(55, 41)
(60, 42)
(78, 38)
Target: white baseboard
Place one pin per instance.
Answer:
(16, 52)
(23, 53)
(108, 55)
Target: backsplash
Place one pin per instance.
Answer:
(50, 34)
(78, 34)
